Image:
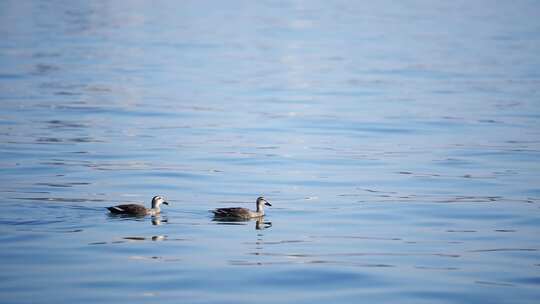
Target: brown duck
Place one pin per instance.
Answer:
(139, 210)
(242, 213)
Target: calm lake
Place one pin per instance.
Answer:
(398, 142)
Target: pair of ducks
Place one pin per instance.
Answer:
(233, 213)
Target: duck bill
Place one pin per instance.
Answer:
(166, 203)
(267, 203)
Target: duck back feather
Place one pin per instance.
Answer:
(233, 212)
(132, 209)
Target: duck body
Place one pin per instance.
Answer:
(242, 213)
(139, 210)
(236, 212)
(133, 209)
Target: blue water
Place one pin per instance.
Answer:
(399, 143)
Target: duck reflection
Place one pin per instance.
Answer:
(159, 220)
(127, 239)
(260, 224)
(142, 238)
(156, 220)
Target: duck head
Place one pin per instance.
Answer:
(262, 201)
(157, 201)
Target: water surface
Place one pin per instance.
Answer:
(399, 144)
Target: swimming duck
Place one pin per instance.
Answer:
(242, 213)
(139, 210)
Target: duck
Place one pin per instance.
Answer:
(242, 213)
(139, 210)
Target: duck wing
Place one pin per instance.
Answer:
(134, 209)
(232, 212)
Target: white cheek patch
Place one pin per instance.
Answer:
(118, 209)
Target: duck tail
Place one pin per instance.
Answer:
(114, 210)
(219, 212)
